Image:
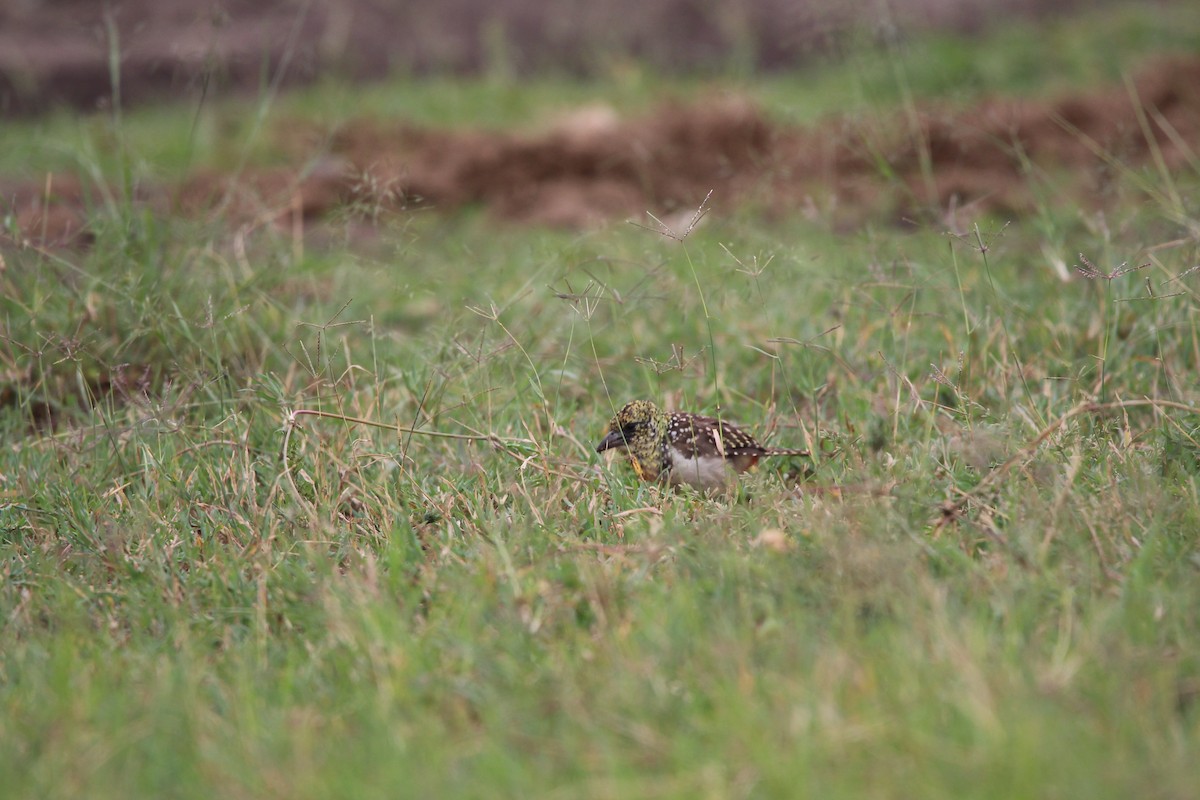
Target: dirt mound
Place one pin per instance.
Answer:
(585, 169)
(985, 154)
(592, 167)
(53, 213)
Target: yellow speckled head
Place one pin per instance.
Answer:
(623, 428)
(639, 429)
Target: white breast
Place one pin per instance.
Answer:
(703, 473)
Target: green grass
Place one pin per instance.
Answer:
(190, 610)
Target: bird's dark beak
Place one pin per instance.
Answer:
(613, 441)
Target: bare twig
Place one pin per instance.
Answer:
(503, 443)
(468, 437)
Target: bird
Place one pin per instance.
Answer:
(682, 449)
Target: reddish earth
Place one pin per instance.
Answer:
(593, 167)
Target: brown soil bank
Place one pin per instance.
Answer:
(594, 167)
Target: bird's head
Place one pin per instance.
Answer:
(638, 423)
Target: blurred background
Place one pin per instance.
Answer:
(65, 52)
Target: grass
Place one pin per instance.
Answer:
(984, 585)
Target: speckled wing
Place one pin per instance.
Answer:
(707, 437)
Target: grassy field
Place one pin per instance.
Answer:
(986, 582)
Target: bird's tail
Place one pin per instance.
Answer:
(785, 451)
